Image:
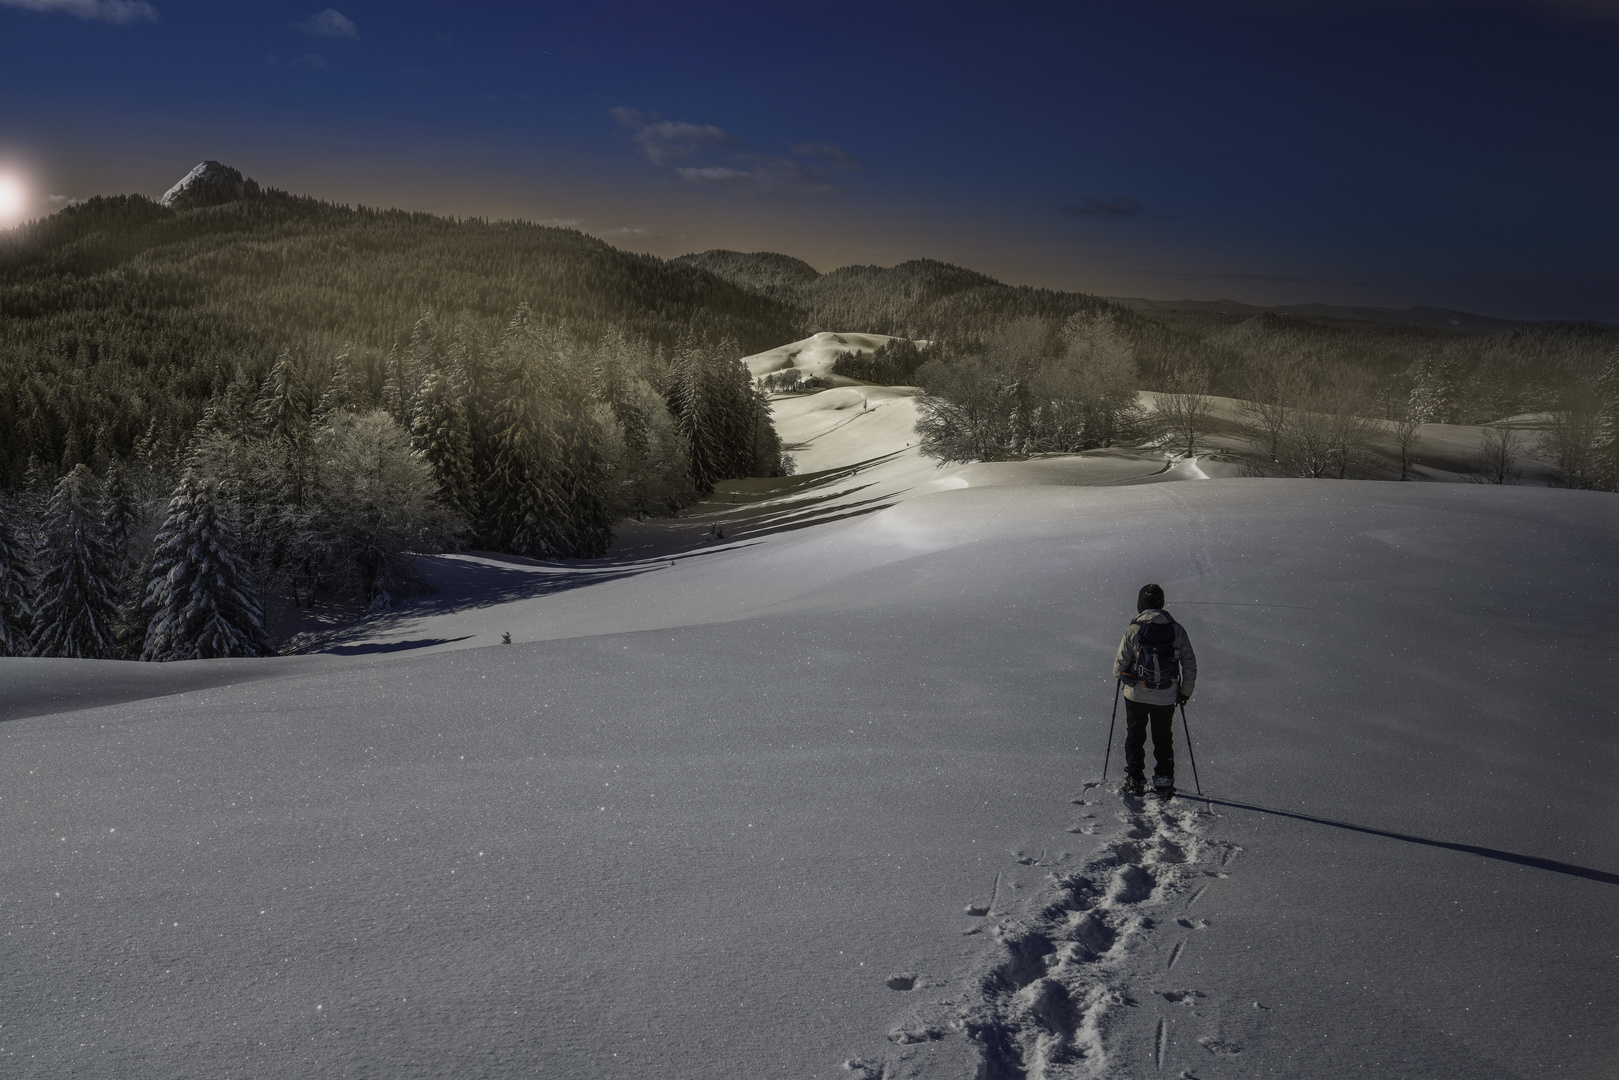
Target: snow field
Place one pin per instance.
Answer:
(819, 800)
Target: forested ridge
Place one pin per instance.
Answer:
(119, 311)
(217, 410)
(925, 298)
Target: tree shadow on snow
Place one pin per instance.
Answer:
(392, 646)
(1472, 849)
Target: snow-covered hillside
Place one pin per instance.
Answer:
(819, 797)
(815, 354)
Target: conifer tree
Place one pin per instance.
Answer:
(76, 613)
(1435, 391)
(397, 387)
(120, 517)
(16, 592)
(340, 395)
(440, 431)
(201, 595)
(545, 489)
(283, 403)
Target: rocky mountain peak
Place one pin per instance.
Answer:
(209, 184)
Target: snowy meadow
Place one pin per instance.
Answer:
(808, 784)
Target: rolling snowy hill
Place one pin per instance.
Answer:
(807, 785)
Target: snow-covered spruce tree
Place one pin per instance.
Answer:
(545, 494)
(441, 432)
(724, 418)
(340, 394)
(120, 516)
(1436, 390)
(76, 614)
(16, 592)
(201, 595)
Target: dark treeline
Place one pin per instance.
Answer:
(893, 363)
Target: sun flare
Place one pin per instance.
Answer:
(13, 197)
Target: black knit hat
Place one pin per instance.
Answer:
(1150, 597)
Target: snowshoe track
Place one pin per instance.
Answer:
(1038, 1007)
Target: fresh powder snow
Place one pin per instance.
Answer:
(808, 784)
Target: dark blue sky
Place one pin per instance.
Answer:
(1457, 154)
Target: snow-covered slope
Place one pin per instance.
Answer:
(815, 354)
(819, 799)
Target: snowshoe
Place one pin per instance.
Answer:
(1134, 785)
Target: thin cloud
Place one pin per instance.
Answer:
(806, 172)
(310, 60)
(766, 175)
(111, 11)
(628, 232)
(329, 24)
(671, 140)
(60, 201)
(1116, 207)
(558, 222)
(835, 156)
(1189, 276)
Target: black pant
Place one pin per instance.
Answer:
(1136, 715)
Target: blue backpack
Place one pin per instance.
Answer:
(1155, 666)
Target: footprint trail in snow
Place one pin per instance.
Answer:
(1046, 1000)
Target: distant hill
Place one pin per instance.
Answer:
(924, 298)
(1430, 318)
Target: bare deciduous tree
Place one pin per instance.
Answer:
(1308, 440)
(1407, 433)
(1275, 386)
(1498, 454)
(1183, 410)
(1349, 429)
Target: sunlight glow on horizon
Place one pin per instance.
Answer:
(13, 199)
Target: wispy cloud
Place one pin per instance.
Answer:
(807, 171)
(112, 11)
(628, 232)
(1116, 207)
(833, 155)
(765, 174)
(1192, 276)
(310, 60)
(671, 140)
(59, 201)
(558, 222)
(329, 24)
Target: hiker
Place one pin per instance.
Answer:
(1159, 670)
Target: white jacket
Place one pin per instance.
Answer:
(1125, 660)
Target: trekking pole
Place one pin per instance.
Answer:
(1118, 685)
(1189, 752)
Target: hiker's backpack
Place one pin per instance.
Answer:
(1156, 667)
